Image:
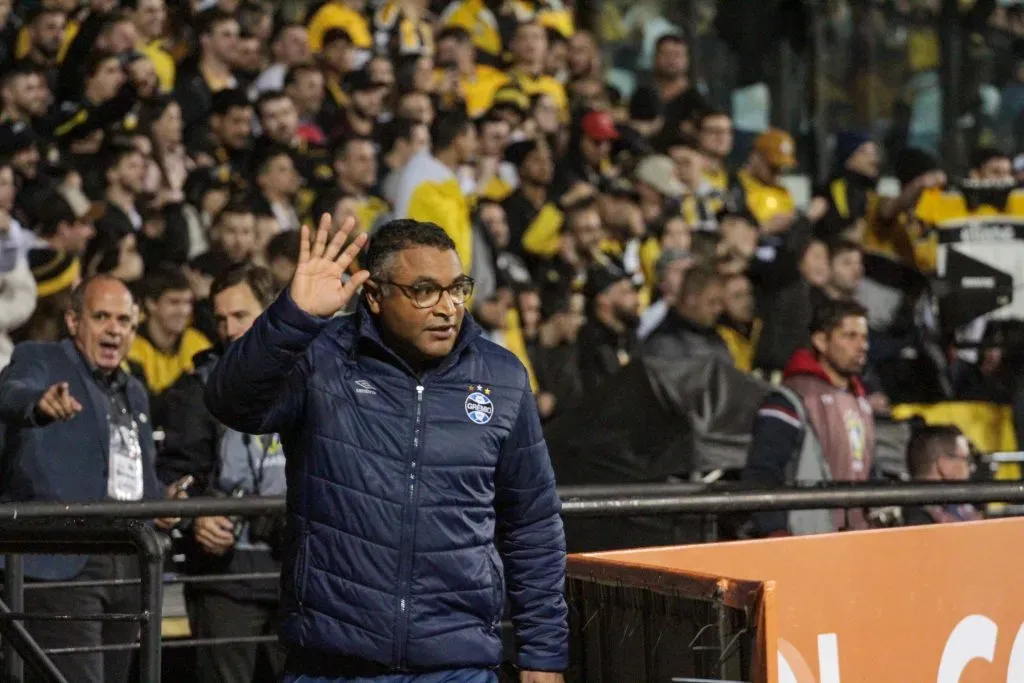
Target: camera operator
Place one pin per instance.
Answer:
(227, 463)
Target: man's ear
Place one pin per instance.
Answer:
(373, 297)
(71, 321)
(819, 341)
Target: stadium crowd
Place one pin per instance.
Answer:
(178, 147)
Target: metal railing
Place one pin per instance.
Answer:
(50, 527)
(591, 501)
(83, 537)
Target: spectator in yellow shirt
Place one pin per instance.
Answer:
(348, 15)
(165, 343)
(429, 189)
(478, 20)
(491, 22)
(512, 104)
(552, 14)
(355, 172)
(738, 326)
(715, 137)
(149, 17)
(403, 28)
(477, 83)
(495, 178)
(760, 181)
(530, 49)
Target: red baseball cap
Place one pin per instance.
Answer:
(599, 126)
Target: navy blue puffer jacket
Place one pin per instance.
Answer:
(415, 504)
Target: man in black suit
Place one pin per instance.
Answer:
(77, 428)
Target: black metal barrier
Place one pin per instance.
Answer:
(82, 537)
(104, 528)
(626, 623)
(593, 501)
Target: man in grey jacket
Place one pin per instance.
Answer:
(225, 462)
(688, 329)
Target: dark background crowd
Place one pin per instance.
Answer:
(164, 143)
(611, 181)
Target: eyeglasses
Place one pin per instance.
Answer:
(427, 295)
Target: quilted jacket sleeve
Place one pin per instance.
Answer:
(532, 543)
(258, 387)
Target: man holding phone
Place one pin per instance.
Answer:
(77, 429)
(225, 462)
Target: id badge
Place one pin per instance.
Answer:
(125, 482)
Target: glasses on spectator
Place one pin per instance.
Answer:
(428, 294)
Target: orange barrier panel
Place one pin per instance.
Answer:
(937, 604)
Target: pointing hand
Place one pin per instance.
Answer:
(58, 403)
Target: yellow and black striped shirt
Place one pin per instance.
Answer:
(397, 35)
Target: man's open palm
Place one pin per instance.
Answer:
(317, 287)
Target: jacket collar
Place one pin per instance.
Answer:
(804, 362)
(675, 323)
(368, 330)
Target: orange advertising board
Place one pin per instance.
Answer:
(937, 604)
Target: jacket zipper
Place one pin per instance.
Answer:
(408, 536)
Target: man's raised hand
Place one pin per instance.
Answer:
(317, 287)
